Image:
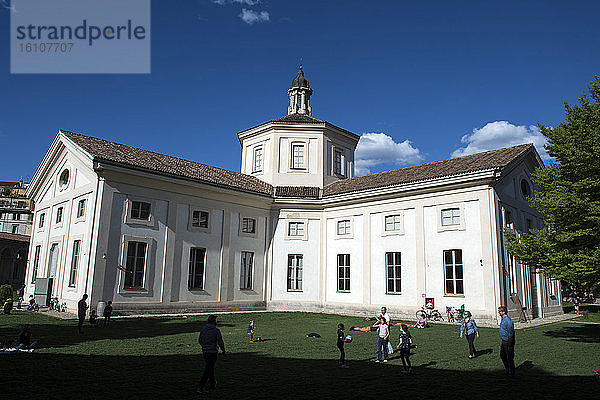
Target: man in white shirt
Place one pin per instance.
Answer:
(385, 315)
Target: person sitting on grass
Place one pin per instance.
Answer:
(422, 323)
(25, 343)
(93, 318)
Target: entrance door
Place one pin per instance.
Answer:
(534, 295)
(52, 267)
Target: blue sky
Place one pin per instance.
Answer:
(421, 80)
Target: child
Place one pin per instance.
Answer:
(93, 318)
(107, 313)
(383, 331)
(404, 346)
(341, 339)
(251, 331)
(422, 323)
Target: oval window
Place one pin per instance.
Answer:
(525, 189)
(64, 178)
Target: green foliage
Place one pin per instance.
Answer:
(569, 198)
(6, 293)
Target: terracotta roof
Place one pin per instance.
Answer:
(15, 237)
(103, 150)
(297, 191)
(439, 169)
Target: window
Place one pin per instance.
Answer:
(64, 178)
(199, 219)
(528, 224)
(196, 270)
(508, 219)
(294, 277)
(81, 208)
(135, 265)
(74, 263)
(296, 229)
(258, 159)
(15, 228)
(248, 225)
(246, 268)
(59, 215)
(337, 162)
(15, 217)
(393, 223)
(453, 271)
(297, 156)
(36, 263)
(41, 220)
(451, 216)
(140, 210)
(343, 262)
(525, 188)
(393, 272)
(343, 227)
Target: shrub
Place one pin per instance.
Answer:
(6, 293)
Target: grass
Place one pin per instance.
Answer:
(159, 358)
(589, 312)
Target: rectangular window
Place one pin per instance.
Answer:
(298, 156)
(36, 263)
(529, 224)
(59, 214)
(451, 216)
(296, 229)
(41, 221)
(196, 270)
(15, 217)
(199, 219)
(508, 220)
(258, 159)
(135, 265)
(15, 228)
(393, 268)
(343, 263)
(393, 223)
(246, 268)
(140, 210)
(337, 162)
(453, 271)
(74, 263)
(294, 277)
(248, 225)
(343, 227)
(81, 208)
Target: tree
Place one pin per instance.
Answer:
(568, 195)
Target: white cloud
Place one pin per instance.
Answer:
(251, 17)
(378, 148)
(498, 134)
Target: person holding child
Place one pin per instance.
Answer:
(468, 327)
(404, 341)
(383, 332)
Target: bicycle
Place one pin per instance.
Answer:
(455, 314)
(429, 314)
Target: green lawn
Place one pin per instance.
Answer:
(590, 312)
(159, 358)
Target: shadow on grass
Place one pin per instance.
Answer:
(255, 376)
(581, 333)
(64, 333)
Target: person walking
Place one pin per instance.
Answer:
(468, 327)
(404, 341)
(211, 340)
(383, 332)
(507, 347)
(81, 310)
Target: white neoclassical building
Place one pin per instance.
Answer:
(295, 230)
